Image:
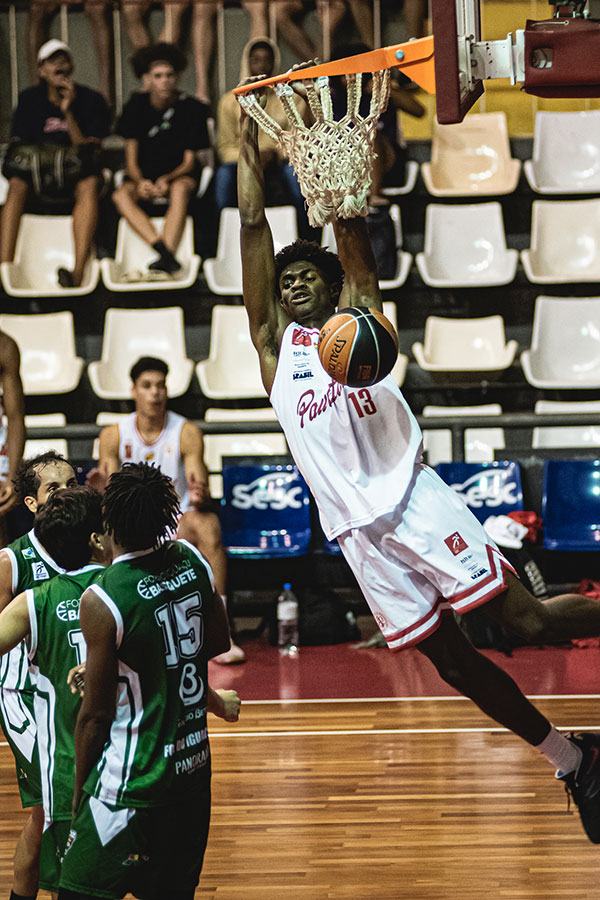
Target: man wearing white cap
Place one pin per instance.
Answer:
(57, 111)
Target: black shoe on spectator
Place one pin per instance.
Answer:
(65, 278)
(166, 261)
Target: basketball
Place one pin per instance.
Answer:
(358, 346)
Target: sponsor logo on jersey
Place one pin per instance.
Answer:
(381, 621)
(491, 490)
(298, 375)
(301, 338)
(70, 841)
(28, 553)
(478, 574)
(171, 580)
(267, 492)
(309, 407)
(134, 859)
(68, 610)
(39, 571)
(455, 543)
(128, 451)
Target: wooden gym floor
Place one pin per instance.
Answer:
(330, 788)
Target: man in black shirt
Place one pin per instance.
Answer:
(163, 130)
(58, 111)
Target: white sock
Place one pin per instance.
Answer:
(560, 752)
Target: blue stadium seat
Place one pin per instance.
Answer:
(571, 504)
(488, 488)
(265, 511)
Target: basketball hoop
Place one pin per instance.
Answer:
(333, 160)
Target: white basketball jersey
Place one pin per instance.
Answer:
(356, 447)
(164, 451)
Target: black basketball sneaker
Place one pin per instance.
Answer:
(584, 784)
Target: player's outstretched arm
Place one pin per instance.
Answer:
(361, 287)
(14, 410)
(191, 447)
(98, 705)
(267, 319)
(14, 623)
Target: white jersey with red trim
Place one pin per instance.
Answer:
(356, 447)
(165, 451)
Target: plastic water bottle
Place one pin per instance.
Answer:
(287, 622)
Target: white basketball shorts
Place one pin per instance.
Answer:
(429, 554)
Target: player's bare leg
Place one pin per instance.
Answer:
(27, 855)
(544, 621)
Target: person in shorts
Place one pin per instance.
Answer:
(26, 563)
(151, 622)
(417, 552)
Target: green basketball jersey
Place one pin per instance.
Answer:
(30, 565)
(56, 644)
(158, 746)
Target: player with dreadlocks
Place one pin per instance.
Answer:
(142, 785)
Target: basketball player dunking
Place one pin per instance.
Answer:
(415, 549)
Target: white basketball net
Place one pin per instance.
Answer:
(332, 160)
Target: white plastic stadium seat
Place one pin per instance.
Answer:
(403, 259)
(565, 346)
(566, 153)
(3, 189)
(131, 333)
(216, 446)
(412, 170)
(45, 244)
(572, 436)
(398, 373)
(35, 446)
(565, 242)
(224, 273)
(49, 364)
(464, 345)
(480, 443)
(471, 158)
(465, 246)
(231, 370)
(128, 271)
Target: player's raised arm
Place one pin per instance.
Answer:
(267, 318)
(361, 287)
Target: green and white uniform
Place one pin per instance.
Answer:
(31, 565)
(143, 826)
(56, 645)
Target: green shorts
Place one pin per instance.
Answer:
(18, 725)
(146, 851)
(54, 840)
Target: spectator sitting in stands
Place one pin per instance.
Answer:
(58, 111)
(38, 21)
(163, 130)
(259, 57)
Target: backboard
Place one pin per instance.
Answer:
(454, 24)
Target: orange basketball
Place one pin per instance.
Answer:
(358, 346)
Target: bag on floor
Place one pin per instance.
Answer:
(324, 618)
